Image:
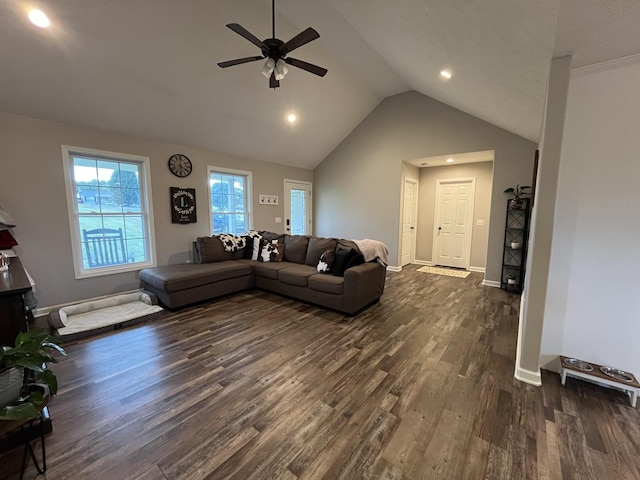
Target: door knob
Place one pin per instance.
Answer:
(439, 228)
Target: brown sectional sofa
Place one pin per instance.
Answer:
(216, 272)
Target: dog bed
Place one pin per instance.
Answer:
(88, 318)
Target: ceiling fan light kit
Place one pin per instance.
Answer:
(275, 52)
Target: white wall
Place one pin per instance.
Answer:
(593, 301)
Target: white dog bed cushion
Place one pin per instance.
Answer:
(99, 315)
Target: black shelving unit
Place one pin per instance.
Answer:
(516, 231)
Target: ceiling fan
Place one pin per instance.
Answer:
(276, 51)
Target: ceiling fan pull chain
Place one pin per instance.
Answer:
(273, 18)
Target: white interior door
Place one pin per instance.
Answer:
(454, 217)
(297, 208)
(409, 216)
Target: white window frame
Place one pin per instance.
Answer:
(248, 193)
(146, 210)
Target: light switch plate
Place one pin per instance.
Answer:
(480, 222)
(278, 219)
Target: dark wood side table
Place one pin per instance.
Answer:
(14, 283)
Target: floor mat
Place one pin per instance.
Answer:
(449, 272)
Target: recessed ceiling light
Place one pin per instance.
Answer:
(291, 118)
(445, 74)
(449, 160)
(39, 18)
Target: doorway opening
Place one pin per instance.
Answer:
(453, 203)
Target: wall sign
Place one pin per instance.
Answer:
(183, 205)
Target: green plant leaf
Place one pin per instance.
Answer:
(23, 411)
(48, 377)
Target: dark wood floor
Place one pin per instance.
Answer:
(420, 386)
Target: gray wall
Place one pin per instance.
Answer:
(483, 173)
(358, 186)
(34, 194)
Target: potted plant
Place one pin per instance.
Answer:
(511, 279)
(516, 203)
(24, 377)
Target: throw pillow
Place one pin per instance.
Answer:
(278, 257)
(271, 252)
(257, 246)
(357, 259)
(343, 256)
(326, 260)
(247, 251)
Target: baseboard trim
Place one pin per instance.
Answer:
(524, 375)
(394, 269)
(39, 312)
(490, 283)
(423, 262)
(476, 269)
(528, 376)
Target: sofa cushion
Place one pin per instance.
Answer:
(344, 243)
(318, 245)
(271, 269)
(174, 278)
(297, 275)
(327, 284)
(295, 248)
(270, 236)
(211, 250)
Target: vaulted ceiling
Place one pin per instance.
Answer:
(149, 67)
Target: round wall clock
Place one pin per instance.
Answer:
(180, 165)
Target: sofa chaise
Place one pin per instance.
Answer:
(215, 272)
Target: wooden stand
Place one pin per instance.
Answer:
(631, 388)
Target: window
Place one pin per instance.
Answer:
(110, 213)
(230, 194)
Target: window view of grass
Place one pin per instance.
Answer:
(108, 197)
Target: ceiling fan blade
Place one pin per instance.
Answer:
(238, 61)
(299, 40)
(273, 83)
(243, 32)
(309, 67)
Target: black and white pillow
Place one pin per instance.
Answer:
(272, 252)
(326, 260)
(232, 243)
(254, 244)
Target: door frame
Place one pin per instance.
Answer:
(287, 201)
(470, 214)
(414, 219)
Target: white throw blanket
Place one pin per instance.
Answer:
(372, 250)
